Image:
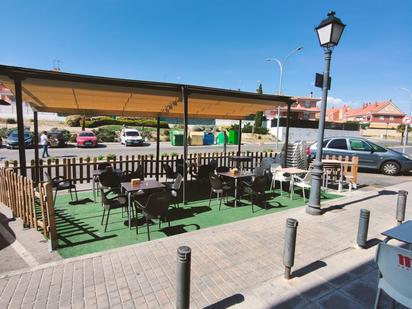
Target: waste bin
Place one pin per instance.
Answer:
(176, 138)
(209, 139)
(196, 138)
(220, 138)
(233, 137)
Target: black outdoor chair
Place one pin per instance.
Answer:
(157, 207)
(60, 184)
(213, 165)
(179, 166)
(256, 189)
(170, 174)
(174, 189)
(222, 169)
(217, 186)
(116, 202)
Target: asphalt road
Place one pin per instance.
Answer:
(71, 151)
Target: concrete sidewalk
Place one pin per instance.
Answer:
(236, 264)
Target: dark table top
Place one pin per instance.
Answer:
(241, 174)
(401, 232)
(99, 172)
(144, 185)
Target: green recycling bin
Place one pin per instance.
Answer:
(233, 137)
(220, 139)
(176, 138)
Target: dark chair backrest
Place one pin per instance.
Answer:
(259, 171)
(129, 175)
(157, 204)
(139, 172)
(110, 179)
(222, 169)
(168, 170)
(215, 181)
(266, 163)
(103, 165)
(259, 184)
(203, 171)
(213, 165)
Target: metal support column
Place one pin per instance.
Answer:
(158, 148)
(20, 126)
(313, 207)
(287, 135)
(185, 135)
(239, 146)
(36, 148)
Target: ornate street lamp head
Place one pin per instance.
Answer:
(329, 31)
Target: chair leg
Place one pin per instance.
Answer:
(160, 223)
(55, 196)
(148, 230)
(251, 199)
(75, 191)
(281, 188)
(378, 295)
(303, 190)
(210, 197)
(71, 196)
(104, 211)
(107, 220)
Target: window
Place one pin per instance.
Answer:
(306, 104)
(382, 117)
(359, 145)
(325, 142)
(305, 116)
(391, 118)
(377, 148)
(339, 143)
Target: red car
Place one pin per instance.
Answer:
(86, 139)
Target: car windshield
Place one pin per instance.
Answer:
(132, 133)
(86, 134)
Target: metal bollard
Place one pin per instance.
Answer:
(401, 206)
(363, 227)
(184, 256)
(289, 247)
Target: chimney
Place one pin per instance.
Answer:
(311, 94)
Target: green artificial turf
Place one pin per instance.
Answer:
(79, 230)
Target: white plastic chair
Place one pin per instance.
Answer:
(395, 273)
(303, 183)
(278, 176)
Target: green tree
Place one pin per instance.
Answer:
(259, 115)
(401, 129)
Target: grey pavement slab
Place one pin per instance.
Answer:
(238, 264)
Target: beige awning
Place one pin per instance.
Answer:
(50, 91)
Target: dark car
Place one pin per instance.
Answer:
(12, 140)
(371, 156)
(57, 139)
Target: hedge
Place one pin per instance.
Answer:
(102, 121)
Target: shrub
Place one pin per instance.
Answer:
(104, 120)
(197, 129)
(166, 132)
(111, 156)
(72, 138)
(100, 157)
(106, 134)
(73, 120)
(11, 121)
(261, 130)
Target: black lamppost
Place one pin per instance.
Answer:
(329, 32)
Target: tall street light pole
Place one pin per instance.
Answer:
(329, 32)
(405, 139)
(281, 67)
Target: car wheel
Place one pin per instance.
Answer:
(390, 168)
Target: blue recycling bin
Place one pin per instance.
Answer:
(208, 139)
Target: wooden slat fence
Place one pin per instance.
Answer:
(80, 170)
(34, 207)
(348, 169)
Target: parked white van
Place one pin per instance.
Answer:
(130, 137)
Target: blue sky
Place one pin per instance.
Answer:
(218, 43)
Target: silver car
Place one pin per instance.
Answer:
(371, 156)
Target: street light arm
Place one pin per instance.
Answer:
(410, 94)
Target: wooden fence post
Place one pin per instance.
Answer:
(51, 217)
